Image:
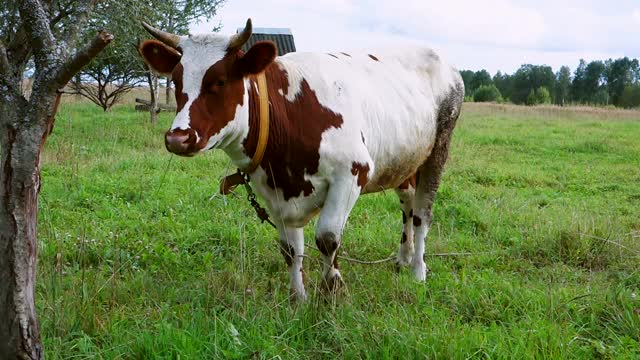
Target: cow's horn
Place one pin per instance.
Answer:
(240, 39)
(167, 38)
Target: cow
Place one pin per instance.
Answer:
(340, 125)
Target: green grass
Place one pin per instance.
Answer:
(139, 260)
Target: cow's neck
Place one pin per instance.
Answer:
(276, 82)
(297, 123)
(236, 133)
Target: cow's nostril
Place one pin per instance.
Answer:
(179, 141)
(192, 138)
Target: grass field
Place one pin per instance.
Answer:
(139, 259)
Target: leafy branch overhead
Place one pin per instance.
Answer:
(119, 69)
(39, 35)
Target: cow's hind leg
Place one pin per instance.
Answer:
(406, 193)
(428, 178)
(292, 248)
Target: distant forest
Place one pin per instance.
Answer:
(610, 82)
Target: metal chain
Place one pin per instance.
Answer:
(251, 197)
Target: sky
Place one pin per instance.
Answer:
(471, 34)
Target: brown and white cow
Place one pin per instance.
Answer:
(341, 125)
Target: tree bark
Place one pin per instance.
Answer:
(154, 92)
(168, 91)
(19, 188)
(78, 87)
(24, 127)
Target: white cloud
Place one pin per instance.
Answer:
(490, 21)
(636, 16)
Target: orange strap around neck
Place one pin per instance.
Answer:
(230, 182)
(263, 119)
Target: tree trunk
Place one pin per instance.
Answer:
(154, 92)
(77, 83)
(24, 127)
(22, 137)
(168, 91)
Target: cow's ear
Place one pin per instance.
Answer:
(257, 58)
(161, 58)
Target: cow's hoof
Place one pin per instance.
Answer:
(333, 281)
(419, 270)
(402, 261)
(297, 297)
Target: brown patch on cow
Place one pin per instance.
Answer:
(362, 172)
(221, 91)
(159, 56)
(288, 252)
(332, 55)
(411, 213)
(409, 182)
(404, 238)
(345, 54)
(373, 57)
(176, 77)
(327, 243)
(417, 221)
(295, 132)
(257, 58)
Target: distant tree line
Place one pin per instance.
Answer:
(611, 82)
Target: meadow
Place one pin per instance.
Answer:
(139, 257)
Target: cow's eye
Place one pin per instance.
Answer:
(220, 83)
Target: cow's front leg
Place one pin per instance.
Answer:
(333, 217)
(292, 248)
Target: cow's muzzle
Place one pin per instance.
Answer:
(181, 142)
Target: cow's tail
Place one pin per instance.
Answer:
(449, 111)
(429, 174)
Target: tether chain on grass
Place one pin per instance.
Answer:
(363, 262)
(392, 257)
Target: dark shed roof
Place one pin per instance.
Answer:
(282, 37)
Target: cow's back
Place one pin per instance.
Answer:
(388, 100)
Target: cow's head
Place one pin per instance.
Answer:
(209, 73)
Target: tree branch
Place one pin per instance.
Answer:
(19, 47)
(62, 13)
(84, 9)
(5, 67)
(36, 21)
(88, 92)
(7, 77)
(81, 58)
